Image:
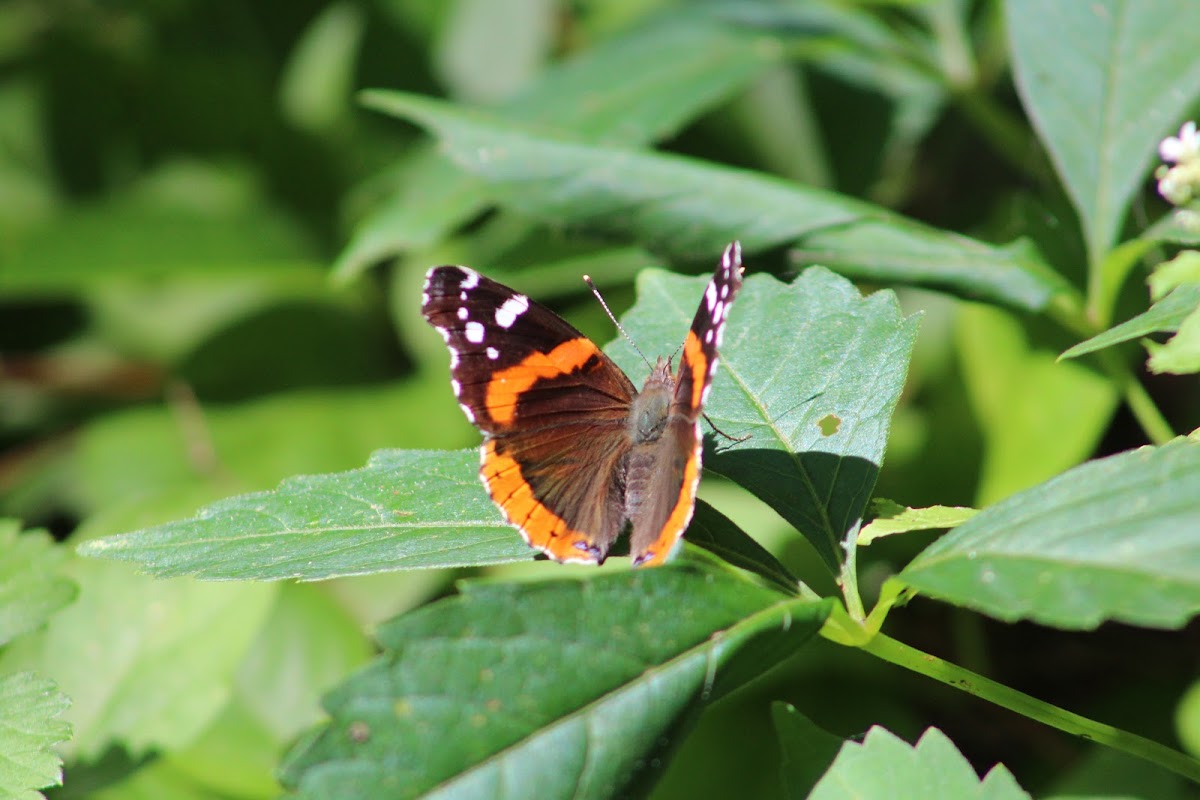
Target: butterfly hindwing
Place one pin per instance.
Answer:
(674, 460)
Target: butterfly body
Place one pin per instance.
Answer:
(572, 452)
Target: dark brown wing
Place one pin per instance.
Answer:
(667, 471)
(552, 406)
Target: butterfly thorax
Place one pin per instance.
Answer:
(649, 409)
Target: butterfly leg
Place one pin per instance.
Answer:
(723, 433)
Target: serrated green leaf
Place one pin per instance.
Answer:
(808, 750)
(407, 509)
(886, 766)
(1179, 355)
(1165, 315)
(147, 663)
(413, 509)
(639, 88)
(573, 689)
(1103, 82)
(691, 208)
(1170, 275)
(837, 353)
(1113, 539)
(32, 586)
(29, 729)
(896, 518)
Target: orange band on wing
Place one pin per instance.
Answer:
(540, 526)
(680, 516)
(506, 386)
(693, 354)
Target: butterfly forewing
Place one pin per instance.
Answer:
(569, 454)
(552, 405)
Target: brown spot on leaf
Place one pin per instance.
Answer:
(829, 424)
(358, 731)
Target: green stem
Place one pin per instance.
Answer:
(848, 580)
(1157, 429)
(1154, 425)
(902, 655)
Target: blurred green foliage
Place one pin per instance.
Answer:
(210, 264)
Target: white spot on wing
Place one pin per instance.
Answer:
(453, 358)
(470, 414)
(463, 313)
(474, 332)
(724, 290)
(470, 279)
(719, 311)
(424, 298)
(445, 334)
(512, 308)
(493, 353)
(462, 296)
(708, 336)
(710, 295)
(455, 387)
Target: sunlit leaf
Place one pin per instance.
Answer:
(571, 689)
(1113, 539)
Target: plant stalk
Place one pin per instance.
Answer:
(903, 655)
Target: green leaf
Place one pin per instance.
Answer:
(1113, 539)
(32, 586)
(488, 49)
(1180, 355)
(1108, 774)
(566, 688)
(1187, 719)
(29, 729)
(179, 221)
(1165, 315)
(640, 87)
(1103, 82)
(407, 509)
(933, 769)
(140, 451)
(307, 645)
(689, 208)
(718, 534)
(1170, 275)
(318, 82)
(893, 518)
(148, 663)
(808, 750)
(838, 353)
(414, 509)
(1027, 401)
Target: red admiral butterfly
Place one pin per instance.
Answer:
(571, 450)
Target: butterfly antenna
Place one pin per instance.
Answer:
(588, 280)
